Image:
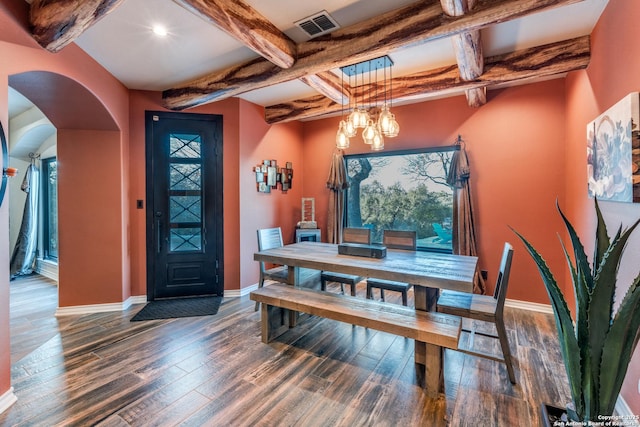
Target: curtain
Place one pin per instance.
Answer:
(464, 233)
(337, 183)
(24, 253)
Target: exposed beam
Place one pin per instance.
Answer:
(417, 23)
(56, 23)
(541, 61)
(329, 85)
(468, 50)
(244, 23)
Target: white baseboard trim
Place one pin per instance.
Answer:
(138, 299)
(526, 305)
(623, 411)
(101, 308)
(235, 293)
(47, 268)
(7, 399)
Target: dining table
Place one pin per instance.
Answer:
(428, 272)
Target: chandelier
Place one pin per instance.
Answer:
(376, 122)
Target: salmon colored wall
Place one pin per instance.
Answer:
(613, 73)
(261, 141)
(142, 101)
(515, 145)
(89, 206)
(20, 54)
(247, 141)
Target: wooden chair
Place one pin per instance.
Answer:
(349, 235)
(485, 308)
(269, 238)
(393, 239)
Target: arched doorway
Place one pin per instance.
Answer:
(93, 209)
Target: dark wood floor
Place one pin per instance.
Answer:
(102, 369)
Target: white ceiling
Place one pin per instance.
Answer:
(125, 45)
(123, 42)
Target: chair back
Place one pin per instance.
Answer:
(400, 239)
(500, 292)
(357, 235)
(269, 238)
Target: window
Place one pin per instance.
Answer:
(50, 208)
(403, 190)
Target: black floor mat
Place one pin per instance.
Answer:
(178, 307)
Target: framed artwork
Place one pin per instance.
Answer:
(613, 152)
(269, 175)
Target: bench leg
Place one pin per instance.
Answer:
(429, 368)
(275, 321)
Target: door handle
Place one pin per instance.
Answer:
(158, 232)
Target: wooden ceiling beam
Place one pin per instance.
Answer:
(541, 61)
(329, 85)
(56, 23)
(419, 22)
(247, 25)
(468, 50)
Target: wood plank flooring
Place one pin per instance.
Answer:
(102, 369)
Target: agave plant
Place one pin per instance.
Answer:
(598, 345)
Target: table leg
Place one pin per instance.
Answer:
(293, 278)
(428, 357)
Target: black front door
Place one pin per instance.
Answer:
(184, 205)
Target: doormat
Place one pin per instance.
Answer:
(178, 307)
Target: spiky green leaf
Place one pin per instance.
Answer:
(564, 325)
(619, 346)
(602, 239)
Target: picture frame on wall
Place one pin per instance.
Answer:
(613, 152)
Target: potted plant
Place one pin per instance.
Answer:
(597, 346)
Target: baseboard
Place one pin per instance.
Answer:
(7, 399)
(235, 293)
(531, 306)
(627, 418)
(47, 268)
(101, 308)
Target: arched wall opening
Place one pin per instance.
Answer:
(92, 207)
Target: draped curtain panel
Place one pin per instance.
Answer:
(24, 253)
(337, 183)
(464, 233)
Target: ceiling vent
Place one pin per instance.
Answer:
(318, 24)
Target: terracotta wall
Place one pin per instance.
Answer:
(260, 141)
(613, 73)
(516, 149)
(20, 54)
(247, 141)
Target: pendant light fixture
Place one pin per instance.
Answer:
(374, 127)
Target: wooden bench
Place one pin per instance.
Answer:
(280, 304)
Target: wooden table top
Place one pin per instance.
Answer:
(429, 269)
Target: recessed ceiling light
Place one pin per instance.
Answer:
(159, 30)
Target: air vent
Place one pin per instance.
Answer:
(318, 24)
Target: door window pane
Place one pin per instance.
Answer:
(185, 176)
(185, 146)
(186, 239)
(185, 209)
